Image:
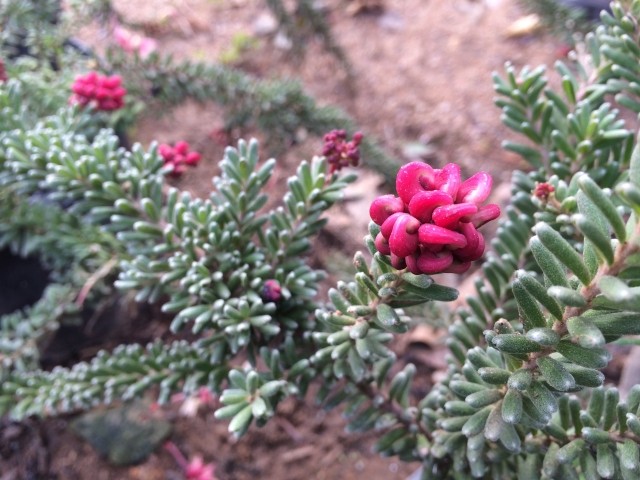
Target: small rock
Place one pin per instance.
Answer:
(282, 42)
(125, 435)
(264, 25)
(391, 21)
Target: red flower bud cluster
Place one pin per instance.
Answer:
(178, 157)
(102, 91)
(3, 72)
(543, 191)
(339, 152)
(431, 227)
(271, 291)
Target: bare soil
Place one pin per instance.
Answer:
(422, 74)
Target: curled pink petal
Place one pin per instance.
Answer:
(473, 237)
(382, 244)
(404, 236)
(457, 267)
(485, 214)
(412, 263)
(448, 216)
(387, 227)
(429, 234)
(434, 248)
(385, 206)
(423, 204)
(475, 189)
(448, 179)
(471, 255)
(430, 263)
(398, 262)
(412, 178)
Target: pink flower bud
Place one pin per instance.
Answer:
(457, 267)
(423, 204)
(448, 180)
(398, 262)
(412, 178)
(383, 207)
(412, 263)
(382, 244)
(387, 227)
(475, 189)
(475, 243)
(192, 158)
(429, 234)
(430, 263)
(404, 236)
(271, 291)
(485, 214)
(448, 216)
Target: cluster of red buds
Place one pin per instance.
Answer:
(3, 72)
(339, 152)
(101, 91)
(178, 157)
(431, 227)
(271, 291)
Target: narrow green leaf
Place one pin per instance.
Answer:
(587, 357)
(527, 306)
(555, 374)
(512, 407)
(563, 251)
(584, 332)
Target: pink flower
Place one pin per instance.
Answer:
(198, 470)
(133, 42)
(100, 91)
(195, 469)
(431, 227)
(271, 291)
(178, 157)
(339, 152)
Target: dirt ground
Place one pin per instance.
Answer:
(422, 74)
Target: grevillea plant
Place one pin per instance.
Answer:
(558, 284)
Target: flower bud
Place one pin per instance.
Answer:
(430, 263)
(475, 189)
(383, 207)
(271, 291)
(404, 236)
(448, 216)
(412, 178)
(433, 234)
(423, 204)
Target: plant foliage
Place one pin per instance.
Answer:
(523, 392)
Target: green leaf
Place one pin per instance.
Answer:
(634, 166)
(567, 296)
(584, 332)
(600, 240)
(586, 377)
(544, 336)
(555, 374)
(605, 461)
(563, 251)
(240, 422)
(512, 407)
(616, 290)
(571, 451)
(604, 204)
(520, 379)
(527, 306)
(542, 398)
(616, 323)
(539, 292)
(514, 343)
(587, 357)
(475, 424)
(483, 398)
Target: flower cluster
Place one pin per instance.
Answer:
(133, 42)
(101, 91)
(339, 152)
(3, 72)
(431, 227)
(178, 157)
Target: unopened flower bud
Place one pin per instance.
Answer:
(271, 291)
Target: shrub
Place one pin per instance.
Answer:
(523, 391)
